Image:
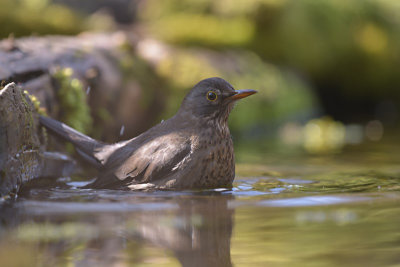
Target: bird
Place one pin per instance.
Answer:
(191, 150)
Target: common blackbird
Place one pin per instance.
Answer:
(191, 150)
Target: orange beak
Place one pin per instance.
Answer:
(242, 94)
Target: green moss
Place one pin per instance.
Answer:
(72, 97)
(36, 104)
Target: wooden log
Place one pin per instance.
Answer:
(22, 152)
(93, 82)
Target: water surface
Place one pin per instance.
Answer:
(341, 210)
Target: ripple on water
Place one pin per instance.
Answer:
(312, 201)
(322, 190)
(317, 190)
(46, 207)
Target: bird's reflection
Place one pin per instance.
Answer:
(194, 228)
(198, 233)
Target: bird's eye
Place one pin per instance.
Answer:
(211, 96)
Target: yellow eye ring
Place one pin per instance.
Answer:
(211, 96)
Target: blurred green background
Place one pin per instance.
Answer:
(327, 71)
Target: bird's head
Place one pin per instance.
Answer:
(212, 99)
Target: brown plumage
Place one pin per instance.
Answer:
(193, 149)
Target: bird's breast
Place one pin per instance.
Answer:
(216, 161)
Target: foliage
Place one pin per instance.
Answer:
(282, 96)
(228, 32)
(76, 111)
(297, 54)
(348, 46)
(37, 16)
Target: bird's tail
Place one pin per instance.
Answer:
(85, 146)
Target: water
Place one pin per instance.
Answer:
(340, 210)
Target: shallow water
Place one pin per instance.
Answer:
(283, 211)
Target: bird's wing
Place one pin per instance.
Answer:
(151, 161)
